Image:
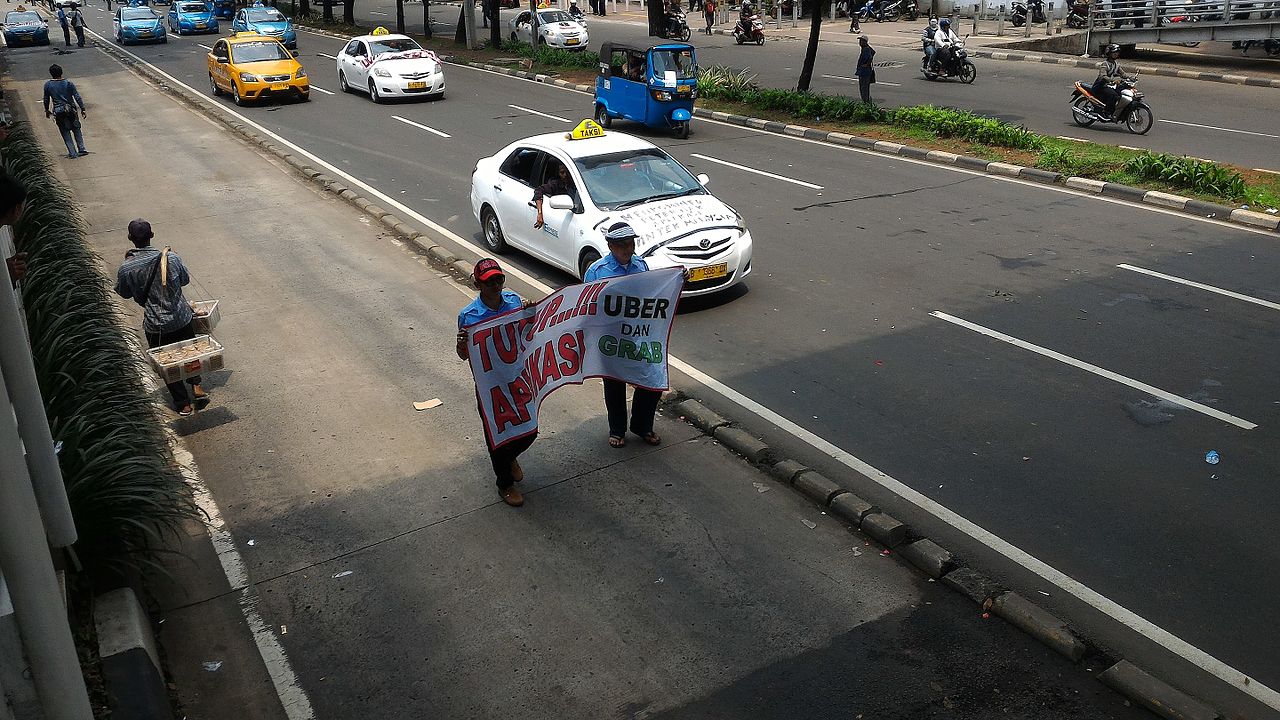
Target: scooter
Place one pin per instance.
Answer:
(1020, 9)
(680, 31)
(753, 34)
(959, 65)
(1079, 15)
(1131, 109)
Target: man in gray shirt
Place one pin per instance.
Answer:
(167, 316)
(64, 97)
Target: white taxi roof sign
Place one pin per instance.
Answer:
(380, 31)
(586, 129)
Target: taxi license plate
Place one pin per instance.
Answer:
(709, 272)
(279, 87)
(417, 86)
(571, 41)
(199, 26)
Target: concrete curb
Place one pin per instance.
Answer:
(939, 564)
(130, 663)
(135, 662)
(1092, 64)
(1155, 198)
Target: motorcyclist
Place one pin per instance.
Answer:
(673, 16)
(926, 39)
(575, 12)
(1109, 73)
(945, 40)
(744, 18)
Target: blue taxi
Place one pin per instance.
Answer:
(136, 24)
(266, 21)
(191, 16)
(25, 27)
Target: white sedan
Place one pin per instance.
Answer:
(615, 177)
(556, 28)
(389, 66)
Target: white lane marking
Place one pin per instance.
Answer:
(545, 115)
(1202, 286)
(420, 125)
(1084, 195)
(846, 77)
(1101, 372)
(1108, 607)
(758, 172)
(206, 47)
(331, 57)
(320, 89)
(1221, 129)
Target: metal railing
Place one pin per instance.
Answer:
(1124, 21)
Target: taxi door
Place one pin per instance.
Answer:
(220, 71)
(513, 197)
(554, 241)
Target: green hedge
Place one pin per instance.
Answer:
(1189, 173)
(124, 488)
(544, 55)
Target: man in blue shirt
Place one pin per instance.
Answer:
(167, 316)
(494, 300)
(622, 260)
(64, 97)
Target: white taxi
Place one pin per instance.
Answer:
(615, 178)
(388, 66)
(556, 28)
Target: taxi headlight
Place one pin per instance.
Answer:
(249, 77)
(301, 74)
(380, 72)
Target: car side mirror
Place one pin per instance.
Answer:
(222, 61)
(560, 202)
(703, 178)
(293, 53)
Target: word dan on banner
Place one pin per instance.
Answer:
(616, 328)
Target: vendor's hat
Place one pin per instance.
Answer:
(140, 230)
(487, 269)
(620, 232)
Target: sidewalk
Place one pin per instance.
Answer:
(669, 582)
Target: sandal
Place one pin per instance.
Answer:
(650, 437)
(617, 441)
(185, 411)
(202, 401)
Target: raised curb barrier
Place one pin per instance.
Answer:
(1187, 205)
(130, 663)
(858, 512)
(1039, 623)
(1131, 681)
(1092, 64)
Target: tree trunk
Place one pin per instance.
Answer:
(400, 16)
(657, 17)
(349, 12)
(495, 24)
(328, 11)
(460, 34)
(426, 18)
(304, 8)
(811, 53)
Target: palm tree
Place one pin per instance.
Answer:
(814, 8)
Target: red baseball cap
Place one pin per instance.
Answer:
(486, 269)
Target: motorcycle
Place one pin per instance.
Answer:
(909, 8)
(753, 34)
(676, 27)
(1131, 109)
(1020, 9)
(1078, 17)
(958, 65)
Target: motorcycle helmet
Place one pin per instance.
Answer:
(946, 23)
(1112, 48)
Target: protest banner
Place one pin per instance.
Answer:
(616, 328)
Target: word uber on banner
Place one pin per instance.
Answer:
(616, 328)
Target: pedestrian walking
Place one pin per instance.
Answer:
(865, 71)
(709, 10)
(154, 279)
(622, 260)
(77, 24)
(66, 25)
(64, 97)
(494, 300)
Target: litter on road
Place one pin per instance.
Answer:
(1212, 457)
(343, 574)
(427, 405)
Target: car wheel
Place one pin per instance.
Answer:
(589, 257)
(235, 94)
(342, 82)
(373, 92)
(602, 117)
(164, 40)
(213, 86)
(493, 237)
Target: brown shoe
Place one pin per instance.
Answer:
(511, 496)
(517, 472)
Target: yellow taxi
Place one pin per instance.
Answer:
(251, 66)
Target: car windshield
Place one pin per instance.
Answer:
(554, 16)
(678, 61)
(629, 178)
(252, 52)
(15, 18)
(137, 14)
(193, 8)
(377, 47)
(264, 15)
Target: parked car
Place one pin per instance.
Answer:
(25, 27)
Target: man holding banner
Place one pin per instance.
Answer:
(493, 301)
(622, 261)
(614, 326)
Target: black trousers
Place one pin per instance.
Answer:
(66, 34)
(154, 340)
(79, 36)
(643, 406)
(505, 455)
(864, 88)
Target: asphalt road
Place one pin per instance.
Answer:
(1229, 123)
(833, 330)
